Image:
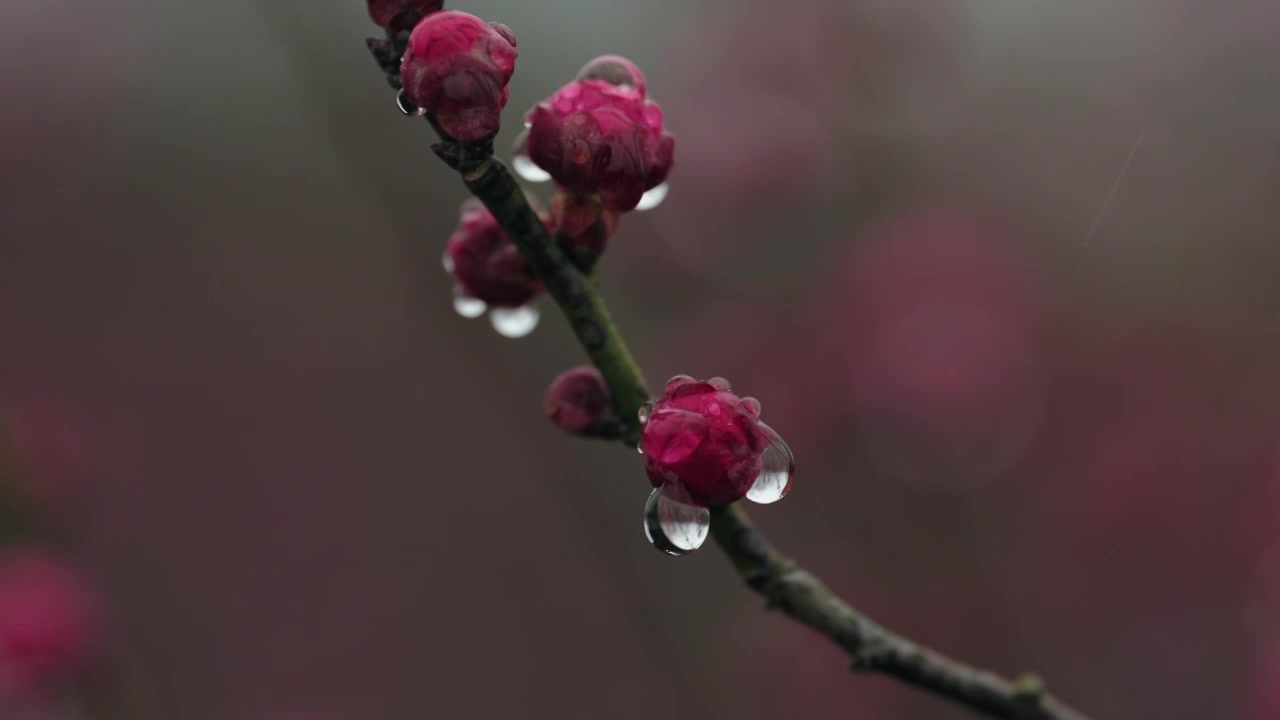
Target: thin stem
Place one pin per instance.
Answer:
(786, 586)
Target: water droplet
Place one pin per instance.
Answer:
(777, 471)
(653, 198)
(515, 322)
(720, 383)
(640, 449)
(523, 165)
(676, 381)
(752, 404)
(467, 306)
(644, 412)
(528, 170)
(447, 262)
(673, 526)
(407, 107)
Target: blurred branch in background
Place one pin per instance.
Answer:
(786, 586)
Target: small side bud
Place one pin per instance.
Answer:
(585, 227)
(485, 264)
(579, 403)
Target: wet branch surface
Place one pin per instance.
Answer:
(786, 587)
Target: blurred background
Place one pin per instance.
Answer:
(1002, 272)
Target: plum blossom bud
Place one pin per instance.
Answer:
(457, 67)
(400, 15)
(578, 402)
(595, 137)
(485, 264)
(705, 447)
(704, 437)
(585, 226)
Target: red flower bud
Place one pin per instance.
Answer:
(401, 15)
(705, 447)
(585, 226)
(485, 264)
(702, 436)
(578, 402)
(457, 67)
(595, 137)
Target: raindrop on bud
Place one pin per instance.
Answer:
(523, 164)
(653, 198)
(407, 107)
(777, 470)
(672, 524)
(467, 306)
(514, 322)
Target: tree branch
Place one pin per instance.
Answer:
(786, 586)
(795, 592)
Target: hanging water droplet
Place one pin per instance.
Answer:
(467, 306)
(777, 470)
(720, 383)
(515, 322)
(752, 404)
(640, 449)
(653, 198)
(528, 170)
(447, 262)
(672, 526)
(524, 166)
(645, 410)
(407, 107)
(676, 381)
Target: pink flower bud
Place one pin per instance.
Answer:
(578, 402)
(457, 67)
(595, 137)
(48, 623)
(485, 264)
(401, 15)
(585, 226)
(702, 437)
